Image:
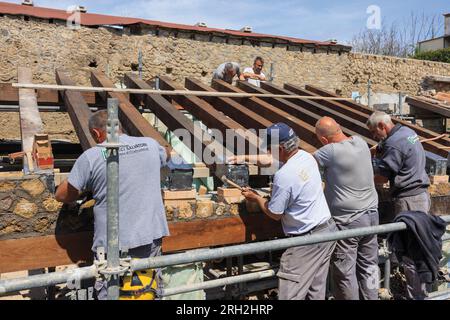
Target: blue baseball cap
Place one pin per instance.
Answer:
(281, 129)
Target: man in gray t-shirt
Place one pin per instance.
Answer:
(227, 71)
(142, 219)
(353, 202)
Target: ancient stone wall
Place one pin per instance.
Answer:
(27, 206)
(44, 46)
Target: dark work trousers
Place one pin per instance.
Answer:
(415, 289)
(354, 263)
(304, 269)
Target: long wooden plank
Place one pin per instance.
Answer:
(30, 120)
(134, 123)
(333, 105)
(211, 117)
(49, 251)
(130, 118)
(423, 132)
(237, 111)
(304, 125)
(345, 121)
(324, 93)
(78, 110)
(45, 251)
(9, 95)
(173, 118)
(361, 127)
(425, 105)
(228, 106)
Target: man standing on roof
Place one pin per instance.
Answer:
(142, 219)
(227, 71)
(401, 158)
(298, 201)
(353, 202)
(254, 75)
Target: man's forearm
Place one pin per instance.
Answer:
(261, 160)
(264, 205)
(66, 193)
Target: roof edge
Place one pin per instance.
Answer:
(96, 20)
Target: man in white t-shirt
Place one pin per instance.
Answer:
(299, 202)
(254, 75)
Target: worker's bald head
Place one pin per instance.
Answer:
(326, 129)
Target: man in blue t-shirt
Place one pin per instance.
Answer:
(142, 219)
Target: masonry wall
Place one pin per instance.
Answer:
(28, 207)
(45, 46)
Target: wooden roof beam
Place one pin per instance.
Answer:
(77, 109)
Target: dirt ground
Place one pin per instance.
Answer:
(56, 124)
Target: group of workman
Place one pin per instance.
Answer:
(298, 198)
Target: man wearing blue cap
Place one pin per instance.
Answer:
(299, 202)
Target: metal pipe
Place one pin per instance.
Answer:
(387, 273)
(241, 271)
(439, 295)
(219, 282)
(369, 93)
(173, 92)
(279, 244)
(400, 103)
(112, 197)
(140, 63)
(43, 280)
(254, 286)
(13, 108)
(12, 285)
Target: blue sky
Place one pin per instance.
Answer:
(315, 20)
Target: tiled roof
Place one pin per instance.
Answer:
(93, 20)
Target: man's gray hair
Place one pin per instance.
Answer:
(291, 144)
(378, 117)
(98, 120)
(229, 66)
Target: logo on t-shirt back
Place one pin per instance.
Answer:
(413, 139)
(303, 175)
(104, 153)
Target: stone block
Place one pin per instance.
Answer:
(205, 209)
(229, 195)
(7, 186)
(12, 228)
(5, 204)
(51, 205)
(42, 225)
(25, 209)
(220, 209)
(34, 187)
(438, 179)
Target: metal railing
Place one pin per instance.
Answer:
(13, 285)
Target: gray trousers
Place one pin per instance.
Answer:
(303, 270)
(146, 251)
(415, 289)
(354, 263)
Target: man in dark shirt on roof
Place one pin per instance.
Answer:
(401, 158)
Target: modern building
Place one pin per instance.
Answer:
(440, 42)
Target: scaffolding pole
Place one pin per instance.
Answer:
(13, 285)
(112, 199)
